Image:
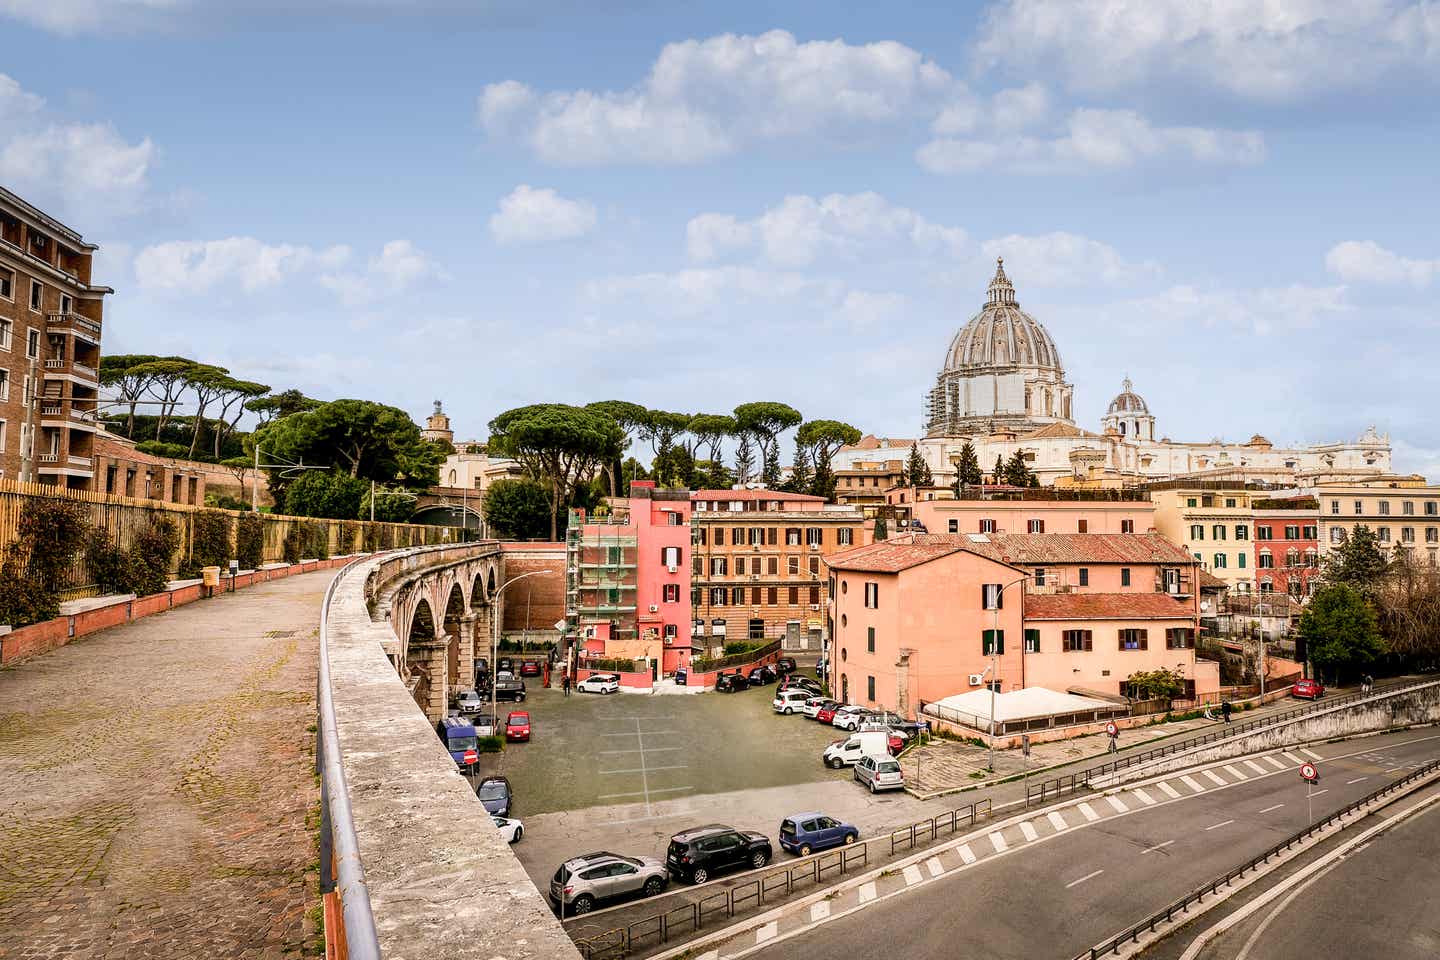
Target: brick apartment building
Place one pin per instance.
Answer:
(1287, 546)
(758, 567)
(50, 323)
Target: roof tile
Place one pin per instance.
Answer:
(1107, 606)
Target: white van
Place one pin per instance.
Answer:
(844, 753)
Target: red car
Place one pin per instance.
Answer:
(517, 726)
(530, 668)
(1308, 689)
(827, 713)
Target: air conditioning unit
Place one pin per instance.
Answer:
(654, 608)
(673, 568)
(754, 576)
(755, 546)
(669, 640)
(814, 606)
(814, 546)
(977, 679)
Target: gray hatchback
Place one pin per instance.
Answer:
(583, 881)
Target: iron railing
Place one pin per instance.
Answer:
(362, 942)
(1167, 914)
(1069, 783)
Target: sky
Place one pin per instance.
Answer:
(693, 206)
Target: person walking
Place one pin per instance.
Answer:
(1225, 710)
(565, 684)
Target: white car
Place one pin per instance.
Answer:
(599, 683)
(789, 701)
(511, 830)
(849, 718)
(813, 705)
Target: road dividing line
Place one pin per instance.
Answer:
(1168, 790)
(767, 932)
(1145, 798)
(1356, 780)
(1290, 756)
(1029, 831)
(1158, 846)
(1222, 823)
(1089, 812)
(1311, 754)
(1318, 792)
(867, 892)
(1393, 770)
(997, 840)
(1117, 804)
(1273, 762)
(934, 866)
(1057, 821)
(819, 910)
(1192, 783)
(1218, 780)
(1275, 806)
(912, 875)
(1257, 768)
(1088, 876)
(967, 854)
(1235, 772)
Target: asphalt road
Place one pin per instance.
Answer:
(1057, 897)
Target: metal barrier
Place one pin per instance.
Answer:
(1132, 934)
(757, 890)
(1059, 786)
(360, 940)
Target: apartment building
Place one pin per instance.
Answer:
(866, 482)
(1403, 512)
(1013, 510)
(1287, 545)
(1213, 521)
(50, 323)
(758, 565)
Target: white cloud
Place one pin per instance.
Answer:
(1365, 261)
(697, 290)
(76, 16)
(862, 309)
(396, 268)
(801, 229)
(1275, 50)
(1092, 140)
(1260, 311)
(14, 101)
(706, 98)
(531, 215)
(189, 267)
(1061, 258)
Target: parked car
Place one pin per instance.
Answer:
(805, 833)
(801, 683)
(789, 701)
(468, 702)
(681, 676)
(495, 795)
(482, 665)
(517, 726)
(879, 773)
(847, 751)
(511, 830)
(485, 724)
(509, 689)
(530, 668)
(827, 711)
(814, 705)
(582, 882)
(785, 665)
(850, 718)
(599, 683)
(822, 667)
(759, 676)
(504, 663)
(697, 854)
(1308, 689)
(731, 682)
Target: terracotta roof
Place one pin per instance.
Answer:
(872, 442)
(1059, 430)
(1042, 548)
(752, 495)
(1210, 581)
(890, 556)
(1106, 606)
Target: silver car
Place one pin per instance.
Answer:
(879, 773)
(584, 881)
(468, 702)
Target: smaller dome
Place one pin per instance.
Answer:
(1259, 441)
(1128, 401)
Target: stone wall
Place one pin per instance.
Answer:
(536, 603)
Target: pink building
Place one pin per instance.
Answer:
(1025, 512)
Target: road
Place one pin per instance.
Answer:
(1053, 892)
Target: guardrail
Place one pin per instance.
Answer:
(691, 917)
(1059, 786)
(342, 872)
(1166, 915)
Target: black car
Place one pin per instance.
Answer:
(760, 676)
(730, 682)
(785, 665)
(504, 663)
(495, 795)
(697, 854)
(508, 690)
(682, 676)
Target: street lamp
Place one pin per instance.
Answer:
(495, 641)
(995, 660)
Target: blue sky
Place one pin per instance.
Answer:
(692, 206)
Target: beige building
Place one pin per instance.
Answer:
(1403, 512)
(1036, 511)
(1213, 522)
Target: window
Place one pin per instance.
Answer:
(670, 556)
(792, 566)
(757, 536)
(1124, 576)
(1432, 535)
(952, 525)
(1408, 508)
(1032, 641)
(1407, 534)
(992, 643)
(1292, 533)
(814, 596)
(719, 567)
(1292, 557)
(870, 639)
(1190, 502)
(2, 436)
(701, 533)
(845, 536)
(1207, 500)
(1197, 531)
(1218, 562)
(815, 565)
(1242, 532)
(717, 596)
(670, 593)
(770, 535)
(1132, 639)
(1359, 507)
(1076, 641)
(1083, 526)
(1266, 561)
(792, 536)
(5, 326)
(1240, 561)
(737, 536)
(7, 284)
(32, 344)
(992, 596)
(737, 596)
(872, 595)
(1431, 508)
(1179, 638)
(1230, 502)
(1334, 506)
(1384, 508)
(1084, 576)
(1382, 534)
(740, 567)
(35, 292)
(1127, 526)
(1217, 531)
(814, 536)
(1036, 526)
(1309, 532)
(1262, 533)
(870, 688)
(772, 565)
(757, 630)
(4, 385)
(1039, 576)
(671, 632)
(1337, 534)
(794, 595)
(987, 526)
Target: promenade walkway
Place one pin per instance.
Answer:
(157, 789)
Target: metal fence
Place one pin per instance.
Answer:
(1167, 914)
(1059, 786)
(767, 885)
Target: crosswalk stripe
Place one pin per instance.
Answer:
(1117, 804)
(1057, 821)
(967, 854)
(934, 866)
(1029, 831)
(1192, 783)
(912, 875)
(767, 931)
(997, 840)
(867, 892)
(1290, 756)
(819, 910)
(1168, 790)
(1235, 772)
(1219, 780)
(1311, 754)
(1145, 798)
(1089, 812)
(1270, 759)
(1256, 767)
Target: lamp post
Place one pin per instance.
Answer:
(495, 641)
(995, 660)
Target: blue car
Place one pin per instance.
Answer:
(804, 833)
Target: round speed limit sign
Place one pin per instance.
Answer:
(1308, 772)
(1111, 729)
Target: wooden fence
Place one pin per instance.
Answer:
(126, 517)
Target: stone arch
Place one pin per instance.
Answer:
(421, 641)
(456, 622)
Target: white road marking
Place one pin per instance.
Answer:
(1029, 831)
(1145, 798)
(912, 875)
(819, 910)
(867, 892)
(1158, 846)
(1290, 756)
(1192, 783)
(1057, 821)
(1235, 772)
(646, 750)
(967, 854)
(1222, 823)
(1117, 804)
(1318, 792)
(1273, 762)
(1257, 768)
(1088, 876)
(1089, 812)
(1218, 780)
(1275, 806)
(767, 931)
(1168, 790)
(678, 766)
(934, 866)
(1393, 770)
(1311, 754)
(997, 840)
(640, 793)
(1356, 780)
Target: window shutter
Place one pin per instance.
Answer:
(1144, 639)
(1121, 635)
(1088, 640)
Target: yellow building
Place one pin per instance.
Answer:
(1402, 511)
(1213, 522)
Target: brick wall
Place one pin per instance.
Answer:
(541, 596)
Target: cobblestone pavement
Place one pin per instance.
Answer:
(157, 785)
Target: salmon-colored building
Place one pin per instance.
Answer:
(1028, 512)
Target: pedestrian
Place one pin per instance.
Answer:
(1225, 710)
(1369, 683)
(565, 684)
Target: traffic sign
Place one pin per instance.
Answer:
(1308, 772)
(1111, 729)
(1025, 744)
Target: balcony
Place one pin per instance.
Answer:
(82, 327)
(59, 414)
(62, 369)
(65, 465)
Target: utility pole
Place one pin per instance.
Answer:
(995, 660)
(255, 483)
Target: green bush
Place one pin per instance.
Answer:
(150, 556)
(209, 542)
(612, 665)
(372, 538)
(489, 744)
(294, 543)
(347, 539)
(223, 501)
(389, 507)
(741, 646)
(317, 493)
(36, 564)
(317, 540)
(250, 541)
(159, 448)
(108, 565)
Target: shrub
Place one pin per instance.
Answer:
(223, 501)
(317, 540)
(741, 646)
(347, 539)
(250, 541)
(159, 448)
(320, 494)
(294, 544)
(372, 538)
(150, 555)
(108, 565)
(489, 744)
(390, 507)
(36, 564)
(209, 540)
(611, 665)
